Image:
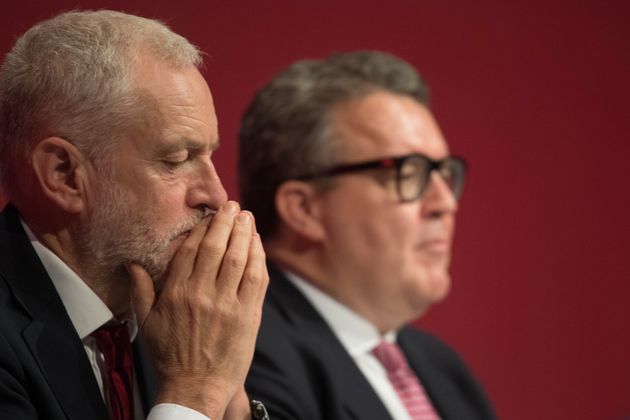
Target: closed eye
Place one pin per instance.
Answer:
(177, 159)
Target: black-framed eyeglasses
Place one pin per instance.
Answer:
(413, 173)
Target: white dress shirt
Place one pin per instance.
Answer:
(88, 313)
(359, 337)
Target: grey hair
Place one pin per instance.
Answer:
(70, 77)
(287, 132)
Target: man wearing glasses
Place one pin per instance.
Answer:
(355, 194)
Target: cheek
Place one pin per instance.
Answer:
(388, 240)
(370, 229)
(404, 229)
(166, 202)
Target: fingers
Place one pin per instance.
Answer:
(202, 328)
(255, 278)
(236, 255)
(142, 292)
(262, 267)
(214, 244)
(182, 264)
(223, 254)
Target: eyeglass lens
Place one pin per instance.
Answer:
(415, 172)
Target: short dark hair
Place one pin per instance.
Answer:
(285, 131)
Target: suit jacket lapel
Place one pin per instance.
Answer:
(353, 388)
(145, 374)
(357, 394)
(51, 337)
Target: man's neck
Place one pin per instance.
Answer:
(313, 267)
(111, 286)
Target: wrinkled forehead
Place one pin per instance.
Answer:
(167, 81)
(386, 124)
(181, 99)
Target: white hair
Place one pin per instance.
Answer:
(70, 76)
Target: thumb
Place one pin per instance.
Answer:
(142, 292)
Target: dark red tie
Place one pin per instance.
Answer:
(113, 341)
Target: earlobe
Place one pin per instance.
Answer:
(297, 207)
(59, 170)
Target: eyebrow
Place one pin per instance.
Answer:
(185, 144)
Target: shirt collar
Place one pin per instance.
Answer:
(86, 310)
(357, 335)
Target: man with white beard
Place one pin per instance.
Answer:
(118, 226)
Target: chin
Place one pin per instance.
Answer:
(434, 288)
(441, 287)
(157, 264)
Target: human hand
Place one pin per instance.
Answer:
(239, 407)
(201, 327)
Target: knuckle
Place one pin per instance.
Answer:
(259, 253)
(266, 279)
(200, 303)
(171, 300)
(211, 249)
(227, 312)
(187, 249)
(224, 308)
(233, 261)
(200, 307)
(254, 280)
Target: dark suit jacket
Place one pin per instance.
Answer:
(302, 371)
(44, 371)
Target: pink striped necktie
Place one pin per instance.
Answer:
(405, 382)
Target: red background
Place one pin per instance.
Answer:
(535, 94)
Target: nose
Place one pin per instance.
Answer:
(206, 189)
(438, 199)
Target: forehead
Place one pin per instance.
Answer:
(386, 124)
(185, 109)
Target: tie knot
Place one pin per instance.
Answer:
(390, 356)
(113, 341)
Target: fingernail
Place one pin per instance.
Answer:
(244, 217)
(231, 207)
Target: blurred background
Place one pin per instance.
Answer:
(536, 95)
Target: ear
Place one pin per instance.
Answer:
(60, 171)
(298, 208)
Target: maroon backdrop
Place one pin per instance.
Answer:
(536, 96)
